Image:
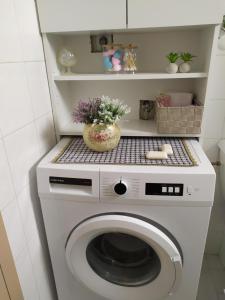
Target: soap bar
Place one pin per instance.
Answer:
(168, 149)
(156, 155)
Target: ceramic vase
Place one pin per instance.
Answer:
(101, 137)
(172, 68)
(185, 67)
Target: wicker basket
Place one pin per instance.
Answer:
(181, 120)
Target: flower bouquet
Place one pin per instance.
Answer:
(100, 116)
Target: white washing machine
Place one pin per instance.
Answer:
(126, 232)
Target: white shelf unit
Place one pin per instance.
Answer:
(123, 76)
(89, 79)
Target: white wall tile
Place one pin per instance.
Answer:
(214, 119)
(29, 31)
(26, 276)
(10, 49)
(46, 133)
(16, 109)
(206, 289)
(216, 84)
(14, 229)
(222, 253)
(6, 188)
(214, 241)
(213, 262)
(38, 87)
(211, 149)
(27, 213)
(23, 152)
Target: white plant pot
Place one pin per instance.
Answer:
(172, 68)
(185, 67)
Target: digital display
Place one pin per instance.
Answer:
(70, 181)
(164, 189)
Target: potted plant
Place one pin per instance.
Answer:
(100, 116)
(185, 66)
(172, 68)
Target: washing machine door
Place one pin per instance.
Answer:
(124, 257)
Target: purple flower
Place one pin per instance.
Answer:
(86, 111)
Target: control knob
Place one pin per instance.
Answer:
(120, 188)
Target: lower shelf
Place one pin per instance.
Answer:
(128, 128)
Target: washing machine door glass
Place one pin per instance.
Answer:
(123, 256)
(123, 259)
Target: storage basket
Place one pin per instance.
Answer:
(180, 120)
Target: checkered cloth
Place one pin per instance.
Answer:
(130, 151)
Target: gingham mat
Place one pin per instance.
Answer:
(130, 151)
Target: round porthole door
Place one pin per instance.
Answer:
(124, 257)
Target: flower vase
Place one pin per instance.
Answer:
(185, 67)
(172, 68)
(101, 137)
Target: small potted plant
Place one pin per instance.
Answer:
(172, 68)
(100, 116)
(187, 57)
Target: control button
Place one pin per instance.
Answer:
(190, 190)
(177, 190)
(164, 189)
(170, 189)
(120, 188)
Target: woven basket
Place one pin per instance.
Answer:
(182, 120)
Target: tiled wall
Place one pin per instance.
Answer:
(26, 134)
(213, 132)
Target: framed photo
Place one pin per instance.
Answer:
(99, 40)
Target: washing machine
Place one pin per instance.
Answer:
(126, 232)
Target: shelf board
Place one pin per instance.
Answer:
(128, 128)
(136, 76)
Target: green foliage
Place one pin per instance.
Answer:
(223, 22)
(186, 56)
(173, 57)
(110, 111)
(102, 110)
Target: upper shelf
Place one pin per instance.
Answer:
(136, 76)
(128, 128)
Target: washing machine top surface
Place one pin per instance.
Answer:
(130, 151)
(188, 158)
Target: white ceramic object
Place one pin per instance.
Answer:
(185, 67)
(172, 68)
(67, 59)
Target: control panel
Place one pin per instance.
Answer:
(164, 189)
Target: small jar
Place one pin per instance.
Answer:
(112, 58)
(129, 59)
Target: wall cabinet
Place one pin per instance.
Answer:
(162, 13)
(103, 15)
(81, 15)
